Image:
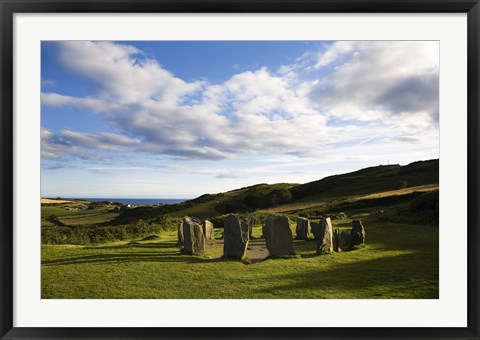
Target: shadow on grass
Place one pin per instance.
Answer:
(132, 257)
(381, 275)
(139, 245)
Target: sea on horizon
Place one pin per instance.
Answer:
(136, 201)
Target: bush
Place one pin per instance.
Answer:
(55, 221)
(297, 192)
(402, 184)
(102, 234)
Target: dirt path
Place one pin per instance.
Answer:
(256, 250)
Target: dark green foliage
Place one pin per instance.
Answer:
(205, 198)
(260, 196)
(339, 207)
(147, 213)
(297, 192)
(102, 234)
(218, 221)
(280, 196)
(424, 209)
(54, 219)
(99, 204)
(426, 201)
(402, 184)
(373, 179)
(231, 206)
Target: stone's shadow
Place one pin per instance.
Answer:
(139, 245)
(340, 276)
(132, 257)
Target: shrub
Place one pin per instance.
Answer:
(402, 184)
(102, 234)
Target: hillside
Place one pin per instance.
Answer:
(371, 180)
(393, 179)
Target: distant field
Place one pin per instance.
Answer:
(61, 211)
(88, 219)
(316, 202)
(53, 201)
(399, 261)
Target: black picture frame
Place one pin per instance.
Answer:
(10, 7)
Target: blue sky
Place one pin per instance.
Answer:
(177, 119)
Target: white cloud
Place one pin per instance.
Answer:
(380, 80)
(338, 49)
(123, 73)
(253, 112)
(93, 104)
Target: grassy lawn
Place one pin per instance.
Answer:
(88, 219)
(62, 211)
(399, 261)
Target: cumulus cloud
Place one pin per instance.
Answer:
(93, 104)
(380, 80)
(254, 112)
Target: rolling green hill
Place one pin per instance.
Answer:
(105, 253)
(366, 181)
(370, 180)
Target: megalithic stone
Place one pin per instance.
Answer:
(357, 234)
(345, 240)
(208, 230)
(193, 237)
(180, 235)
(278, 236)
(336, 241)
(315, 228)
(236, 237)
(303, 228)
(325, 237)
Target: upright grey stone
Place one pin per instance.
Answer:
(278, 236)
(193, 237)
(235, 233)
(345, 240)
(315, 228)
(325, 236)
(180, 235)
(357, 234)
(208, 230)
(341, 240)
(336, 241)
(303, 228)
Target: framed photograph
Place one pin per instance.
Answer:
(234, 169)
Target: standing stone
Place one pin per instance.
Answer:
(336, 241)
(303, 228)
(278, 236)
(325, 237)
(193, 237)
(357, 235)
(208, 230)
(235, 233)
(180, 235)
(345, 240)
(315, 228)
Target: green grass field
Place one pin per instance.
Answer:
(399, 261)
(70, 217)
